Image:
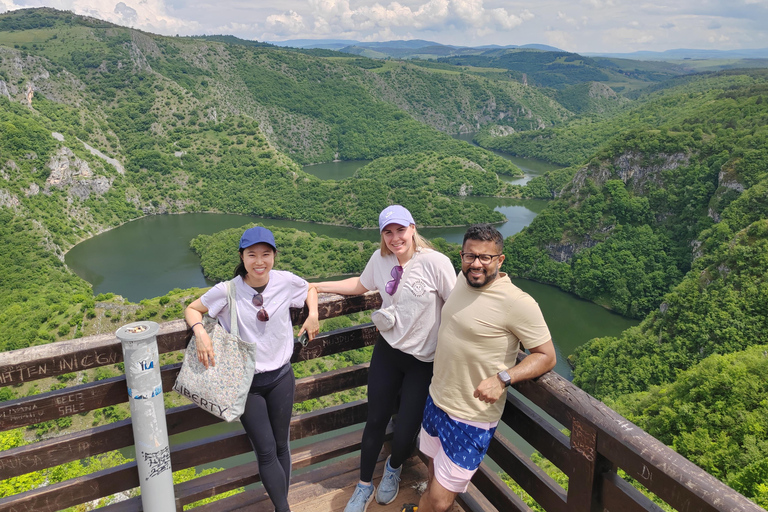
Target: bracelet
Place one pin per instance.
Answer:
(193, 325)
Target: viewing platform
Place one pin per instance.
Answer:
(601, 453)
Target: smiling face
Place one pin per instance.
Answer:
(476, 273)
(258, 260)
(399, 240)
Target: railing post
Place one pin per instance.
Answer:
(150, 434)
(587, 466)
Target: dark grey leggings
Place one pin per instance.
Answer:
(393, 373)
(267, 421)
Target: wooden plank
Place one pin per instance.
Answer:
(246, 474)
(331, 382)
(39, 362)
(203, 451)
(336, 341)
(86, 443)
(546, 392)
(205, 487)
(584, 485)
(66, 448)
(330, 305)
(22, 412)
(540, 486)
(540, 433)
(676, 480)
(103, 483)
(618, 495)
(497, 492)
(328, 489)
(473, 500)
(32, 363)
(51, 498)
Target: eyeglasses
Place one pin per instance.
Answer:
(485, 259)
(396, 273)
(258, 301)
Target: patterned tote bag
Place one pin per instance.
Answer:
(222, 389)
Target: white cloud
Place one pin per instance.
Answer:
(395, 19)
(149, 15)
(581, 25)
(290, 22)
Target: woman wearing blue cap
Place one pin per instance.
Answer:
(414, 281)
(263, 299)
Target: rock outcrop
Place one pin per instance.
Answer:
(74, 174)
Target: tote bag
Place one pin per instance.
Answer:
(222, 389)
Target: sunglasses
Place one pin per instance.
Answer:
(258, 301)
(396, 273)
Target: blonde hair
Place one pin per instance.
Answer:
(419, 242)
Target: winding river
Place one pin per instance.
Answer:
(149, 256)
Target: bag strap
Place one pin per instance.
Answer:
(232, 301)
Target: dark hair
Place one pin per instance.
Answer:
(484, 233)
(240, 268)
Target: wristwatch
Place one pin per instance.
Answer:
(505, 378)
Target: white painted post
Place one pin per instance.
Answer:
(150, 433)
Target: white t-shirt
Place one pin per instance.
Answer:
(273, 338)
(427, 281)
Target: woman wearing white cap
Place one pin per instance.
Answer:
(414, 281)
(263, 298)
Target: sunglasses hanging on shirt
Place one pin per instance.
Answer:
(258, 301)
(396, 273)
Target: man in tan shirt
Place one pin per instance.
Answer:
(485, 322)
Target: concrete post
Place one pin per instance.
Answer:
(150, 434)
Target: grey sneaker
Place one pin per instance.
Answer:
(389, 485)
(360, 499)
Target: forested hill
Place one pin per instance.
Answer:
(664, 216)
(661, 216)
(101, 124)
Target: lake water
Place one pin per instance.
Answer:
(149, 256)
(345, 169)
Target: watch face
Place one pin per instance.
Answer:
(505, 378)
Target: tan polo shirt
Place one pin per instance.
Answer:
(480, 335)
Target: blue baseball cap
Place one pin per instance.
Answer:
(257, 235)
(395, 214)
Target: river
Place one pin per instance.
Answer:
(150, 256)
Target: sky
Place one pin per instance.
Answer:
(586, 26)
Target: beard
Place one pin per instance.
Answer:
(484, 279)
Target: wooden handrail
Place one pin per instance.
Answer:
(596, 442)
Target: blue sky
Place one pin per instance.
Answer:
(572, 25)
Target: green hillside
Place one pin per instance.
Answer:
(562, 69)
(661, 214)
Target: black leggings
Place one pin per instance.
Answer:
(267, 420)
(393, 373)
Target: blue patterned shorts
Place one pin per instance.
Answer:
(464, 444)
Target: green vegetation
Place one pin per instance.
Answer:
(716, 415)
(719, 308)
(661, 215)
(561, 69)
(305, 254)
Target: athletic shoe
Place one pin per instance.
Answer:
(410, 507)
(389, 485)
(360, 499)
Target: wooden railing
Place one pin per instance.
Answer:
(600, 443)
